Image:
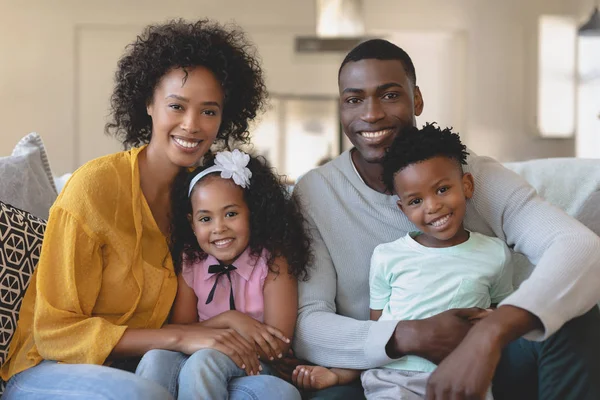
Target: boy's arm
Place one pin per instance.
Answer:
(375, 314)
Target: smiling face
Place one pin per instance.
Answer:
(186, 115)
(377, 100)
(220, 218)
(433, 196)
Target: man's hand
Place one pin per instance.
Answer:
(466, 374)
(432, 338)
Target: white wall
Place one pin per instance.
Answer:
(45, 50)
(501, 67)
(41, 71)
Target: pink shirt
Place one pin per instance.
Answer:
(248, 281)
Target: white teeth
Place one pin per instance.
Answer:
(222, 242)
(373, 135)
(439, 222)
(186, 143)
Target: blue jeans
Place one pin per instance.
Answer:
(210, 374)
(50, 380)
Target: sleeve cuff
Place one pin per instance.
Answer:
(550, 320)
(378, 305)
(377, 338)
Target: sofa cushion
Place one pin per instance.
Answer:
(589, 213)
(27, 182)
(572, 184)
(565, 182)
(21, 235)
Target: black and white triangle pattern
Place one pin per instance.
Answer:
(21, 236)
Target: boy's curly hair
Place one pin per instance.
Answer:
(276, 223)
(414, 145)
(178, 44)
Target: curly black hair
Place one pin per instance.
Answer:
(276, 222)
(178, 44)
(414, 145)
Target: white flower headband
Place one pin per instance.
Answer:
(231, 165)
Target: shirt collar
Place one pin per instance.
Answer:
(244, 265)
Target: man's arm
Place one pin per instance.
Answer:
(566, 280)
(326, 338)
(563, 285)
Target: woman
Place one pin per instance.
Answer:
(105, 283)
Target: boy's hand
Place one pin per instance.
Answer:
(314, 377)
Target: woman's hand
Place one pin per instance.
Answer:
(264, 336)
(191, 338)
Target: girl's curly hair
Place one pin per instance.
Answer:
(177, 44)
(276, 223)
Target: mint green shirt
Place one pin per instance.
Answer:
(409, 281)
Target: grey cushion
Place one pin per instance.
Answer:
(589, 213)
(571, 184)
(27, 181)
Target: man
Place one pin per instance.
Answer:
(349, 213)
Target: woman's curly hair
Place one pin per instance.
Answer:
(177, 44)
(276, 222)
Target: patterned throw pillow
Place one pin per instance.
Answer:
(21, 237)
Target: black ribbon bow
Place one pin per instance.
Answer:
(221, 269)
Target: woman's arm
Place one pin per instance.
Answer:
(68, 279)
(188, 339)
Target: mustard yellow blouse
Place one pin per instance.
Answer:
(104, 266)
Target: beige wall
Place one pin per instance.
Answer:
(40, 76)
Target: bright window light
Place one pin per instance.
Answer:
(557, 76)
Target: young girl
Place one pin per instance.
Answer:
(239, 247)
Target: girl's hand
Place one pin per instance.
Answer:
(314, 377)
(265, 336)
(191, 338)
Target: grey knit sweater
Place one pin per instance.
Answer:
(348, 219)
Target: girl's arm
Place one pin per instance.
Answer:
(185, 308)
(273, 338)
(281, 303)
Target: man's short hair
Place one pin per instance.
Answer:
(381, 49)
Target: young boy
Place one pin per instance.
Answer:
(437, 267)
